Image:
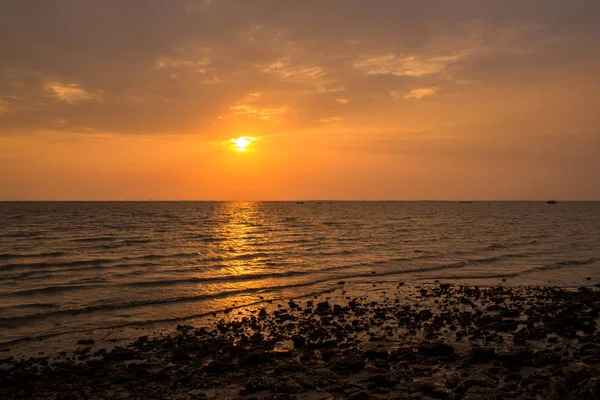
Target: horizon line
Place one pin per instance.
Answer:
(291, 201)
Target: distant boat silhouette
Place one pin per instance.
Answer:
(466, 202)
(299, 202)
(551, 202)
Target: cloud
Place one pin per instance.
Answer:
(391, 64)
(70, 93)
(331, 120)
(177, 65)
(257, 112)
(421, 93)
(190, 58)
(314, 76)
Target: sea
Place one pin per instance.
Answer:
(72, 269)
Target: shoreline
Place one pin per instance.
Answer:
(373, 340)
(50, 344)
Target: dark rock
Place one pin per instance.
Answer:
(506, 325)
(515, 376)
(437, 350)
(256, 384)
(376, 353)
(482, 354)
(362, 395)
(121, 354)
(352, 362)
(299, 341)
(477, 380)
(453, 380)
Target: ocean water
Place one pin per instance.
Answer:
(78, 267)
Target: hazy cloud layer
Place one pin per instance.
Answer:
(335, 67)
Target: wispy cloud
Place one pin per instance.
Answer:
(420, 93)
(257, 112)
(391, 64)
(331, 120)
(287, 71)
(70, 93)
(197, 65)
(316, 77)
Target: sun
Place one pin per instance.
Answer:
(242, 143)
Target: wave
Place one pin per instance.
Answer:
(563, 264)
(23, 234)
(145, 322)
(45, 264)
(6, 256)
(238, 278)
(30, 305)
(558, 265)
(109, 262)
(246, 277)
(45, 273)
(95, 239)
(11, 322)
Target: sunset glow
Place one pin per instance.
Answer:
(257, 100)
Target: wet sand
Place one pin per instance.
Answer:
(378, 340)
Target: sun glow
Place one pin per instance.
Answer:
(242, 143)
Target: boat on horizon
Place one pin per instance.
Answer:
(551, 202)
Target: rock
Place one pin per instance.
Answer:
(515, 376)
(481, 393)
(575, 377)
(120, 354)
(453, 380)
(197, 394)
(591, 360)
(352, 362)
(437, 350)
(299, 341)
(506, 325)
(513, 359)
(425, 385)
(376, 353)
(287, 386)
(323, 308)
(508, 313)
(543, 358)
(476, 380)
(256, 384)
(590, 390)
(482, 354)
(313, 396)
(86, 342)
(180, 355)
(362, 395)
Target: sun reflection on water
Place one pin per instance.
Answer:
(241, 229)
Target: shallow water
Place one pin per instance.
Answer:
(74, 267)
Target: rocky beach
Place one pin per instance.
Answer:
(376, 340)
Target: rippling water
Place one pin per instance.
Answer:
(73, 267)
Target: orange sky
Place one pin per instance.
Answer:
(346, 99)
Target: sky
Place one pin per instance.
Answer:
(338, 99)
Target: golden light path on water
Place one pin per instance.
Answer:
(240, 229)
